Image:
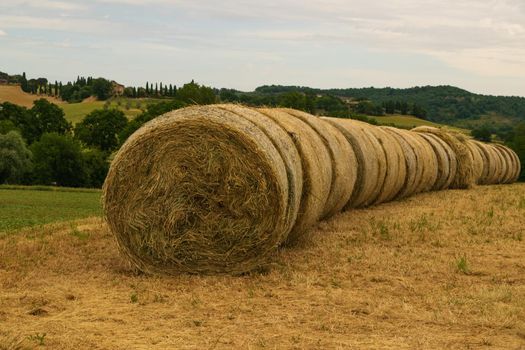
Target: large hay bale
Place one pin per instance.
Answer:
(500, 165)
(489, 163)
(441, 160)
(317, 170)
(477, 159)
(344, 163)
(483, 174)
(508, 163)
(286, 148)
(198, 190)
(395, 166)
(371, 161)
(464, 176)
(516, 164)
(414, 166)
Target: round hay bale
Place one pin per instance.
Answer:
(286, 148)
(489, 163)
(396, 171)
(500, 165)
(370, 157)
(317, 171)
(414, 167)
(477, 160)
(464, 176)
(344, 163)
(508, 168)
(516, 165)
(482, 152)
(441, 163)
(198, 190)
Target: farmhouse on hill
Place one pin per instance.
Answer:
(118, 89)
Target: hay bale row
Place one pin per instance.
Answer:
(217, 189)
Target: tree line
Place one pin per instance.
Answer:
(38, 146)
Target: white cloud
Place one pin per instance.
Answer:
(2, 33)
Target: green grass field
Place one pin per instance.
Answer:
(75, 112)
(409, 122)
(22, 207)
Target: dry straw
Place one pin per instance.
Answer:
(317, 170)
(500, 165)
(198, 190)
(435, 162)
(395, 165)
(414, 167)
(344, 163)
(369, 155)
(477, 160)
(508, 163)
(286, 148)
(464, 177)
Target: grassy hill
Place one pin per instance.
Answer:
(409, 122)
(14, 94)
(443, 104)
(75, 112)
(441, 270)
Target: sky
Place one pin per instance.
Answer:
(478, 45)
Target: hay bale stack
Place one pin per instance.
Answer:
(445, 163)
(317, 170)
(371, 161)
(464, 176)
(198, 190)
(413, 162)
(343, 160)
(395, 166)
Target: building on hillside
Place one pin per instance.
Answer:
(118, 89)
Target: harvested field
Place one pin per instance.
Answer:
(440, 270)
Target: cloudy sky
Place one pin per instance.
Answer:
(478, 45)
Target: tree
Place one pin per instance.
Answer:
(518, 145)
(22, 119)
(100, 128)
(147, 88)
(96, 165)
(482, 133)
(293, 99)
(23, 83)
(58, 161)
(193, 93)
(153, 110)
(102, 88)
(15, 158)
(50, 117)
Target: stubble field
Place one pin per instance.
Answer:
(443, 270)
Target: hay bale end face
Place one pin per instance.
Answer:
(198, 190)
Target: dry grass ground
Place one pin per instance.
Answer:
(441, 270)
(14, 94)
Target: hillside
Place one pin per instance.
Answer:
(443, 104)
(14, 94)
(440, 270)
